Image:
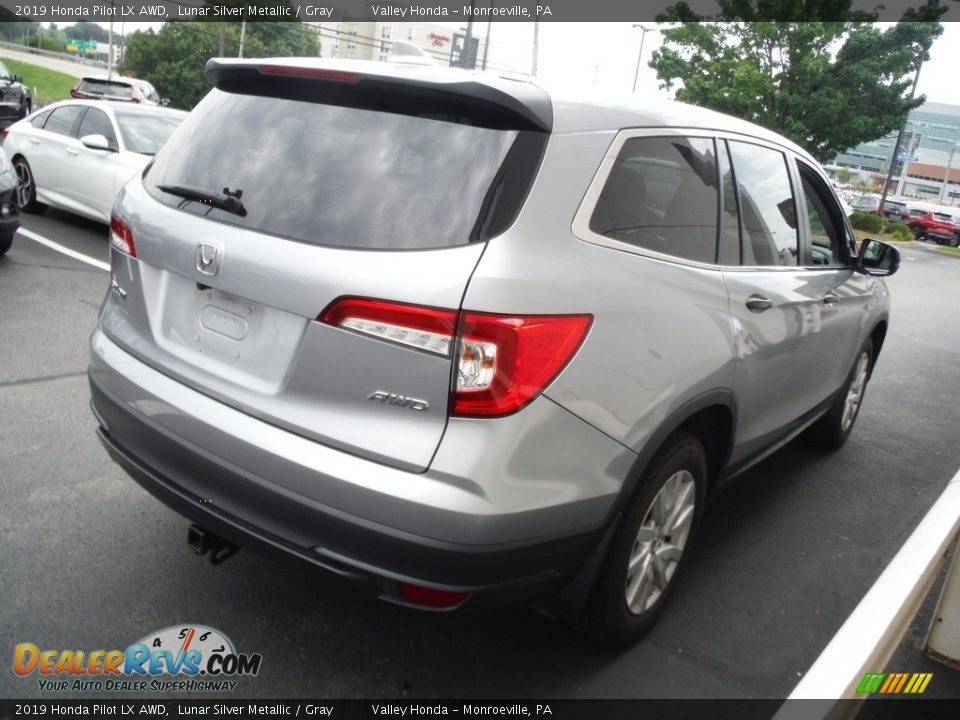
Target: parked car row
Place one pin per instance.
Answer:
(927, 222)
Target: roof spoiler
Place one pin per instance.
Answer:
(487, 100)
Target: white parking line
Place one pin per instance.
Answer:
(36, 237)
(870, 636)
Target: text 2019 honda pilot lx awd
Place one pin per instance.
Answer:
(468, 342)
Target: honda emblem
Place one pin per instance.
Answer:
(208, 259)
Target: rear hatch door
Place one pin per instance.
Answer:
(293, 195)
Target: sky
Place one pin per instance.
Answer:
(604, 55)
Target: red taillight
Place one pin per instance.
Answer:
(121, 238)
(501, 362)
(429, 597)
(315, 73)
(504, 362)
(75, 94)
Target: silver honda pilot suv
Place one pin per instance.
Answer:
(468, 343)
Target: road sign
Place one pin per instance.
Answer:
(907, 158)
(79, 46)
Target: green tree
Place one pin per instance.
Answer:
(174, 58)
(828, 84)
(87, 31)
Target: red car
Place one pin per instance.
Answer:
(935, 226)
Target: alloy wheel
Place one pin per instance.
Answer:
(855, 392)
(660, 542)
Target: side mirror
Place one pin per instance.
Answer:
(96, 142)
(17, 79)
(164, 101)
(878, 258)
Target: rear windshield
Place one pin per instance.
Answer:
(144, 133)
(103, 87)
(332, 175)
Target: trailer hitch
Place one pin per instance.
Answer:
(203, 541)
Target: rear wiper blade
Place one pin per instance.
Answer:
(222, 201)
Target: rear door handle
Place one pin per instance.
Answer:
(35, 141)
(830, 299)
(72, 151)
(759, 303)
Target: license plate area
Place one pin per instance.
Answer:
(236, 338)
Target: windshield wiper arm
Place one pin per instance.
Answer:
(222, 201)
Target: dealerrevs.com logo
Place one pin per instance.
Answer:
(200, 659)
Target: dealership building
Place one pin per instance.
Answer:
(928, 166)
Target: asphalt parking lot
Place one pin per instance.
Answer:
(90, 560)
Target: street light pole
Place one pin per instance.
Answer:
(899, 142)
(946, 176)
(643, 37)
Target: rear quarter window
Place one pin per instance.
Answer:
(661, 195)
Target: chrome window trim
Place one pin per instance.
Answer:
(581, 220)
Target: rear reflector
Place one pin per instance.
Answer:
(314, 73)
(121, 237)
(429, 597)
(501, 362)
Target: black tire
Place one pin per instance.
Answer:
(832, 430)
(25, 108)
(917, 232)
(608, 617)
(27, 192)
(5, 243)
(955, 241)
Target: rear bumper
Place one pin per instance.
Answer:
(153, 439)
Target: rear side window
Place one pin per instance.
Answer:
(767, 208)
(661, 195)
(39, 119)
(63, 120)
(337, 176)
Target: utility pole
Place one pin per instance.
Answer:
(946, 175)
(643, 37)
(536, 47)
(223, 40)
(899, 142)
(486, 43)
(243, 34)
(110, 52)
(467, 41)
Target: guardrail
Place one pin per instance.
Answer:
(870, 636)
(66, 57)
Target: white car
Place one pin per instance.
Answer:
(76, 155)
(116, 87)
